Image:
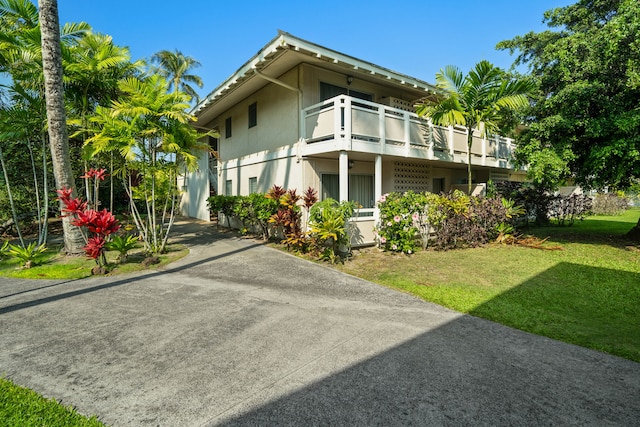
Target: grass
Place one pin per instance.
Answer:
(587, 294)
(22, 407)
(53, 265)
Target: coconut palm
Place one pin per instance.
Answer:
(56, 116)
(484, 99)
(175, 67)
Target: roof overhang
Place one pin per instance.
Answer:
(285, 52)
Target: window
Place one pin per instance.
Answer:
(330, 186)
(253, 185)
(360, 189)
(228, 188)
(329, 91)
(253, 115)
(227, 128)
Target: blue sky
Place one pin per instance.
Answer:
(416, 38)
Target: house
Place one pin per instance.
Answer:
(300, 115)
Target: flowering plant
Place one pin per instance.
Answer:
(99, 223)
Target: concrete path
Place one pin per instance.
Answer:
(240, 334)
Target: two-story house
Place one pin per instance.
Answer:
(300, 115)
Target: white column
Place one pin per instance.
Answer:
(377, 185)
(377, 179)
(344, 176)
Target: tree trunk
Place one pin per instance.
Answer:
(634, 233)
(56, 118)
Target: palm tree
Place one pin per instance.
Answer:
(56, 116)
(93, 66)
(149, 127)
(175, 67)
(484, 99)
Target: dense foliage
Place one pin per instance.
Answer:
(409, 221)
(585, 121)
(122, 116)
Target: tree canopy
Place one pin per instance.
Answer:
(584, 123)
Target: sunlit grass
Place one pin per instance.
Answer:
(53, 265)
(588, 293)
(25, 408)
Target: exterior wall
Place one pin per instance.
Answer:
(278, 121)
(283, 170)
(195, 187)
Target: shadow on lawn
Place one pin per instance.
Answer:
(604, 303)
(590, 231)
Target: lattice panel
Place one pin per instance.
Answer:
(410, 177)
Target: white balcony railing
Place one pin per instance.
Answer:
(351, 124)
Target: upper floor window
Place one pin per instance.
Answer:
(253, 115)
(328, 91)
(227, 128)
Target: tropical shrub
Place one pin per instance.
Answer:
(406, 220)
(222, 203)
(609, 204)
(410, 220)
(328, 222)
(468, 221)
(565, 210)
(101, 224)
(122, 244)
(255, 210)
(28, 255)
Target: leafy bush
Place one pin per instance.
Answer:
(28, 255)
(122, 244)
(255, 210)
(610, 204)
(468, 221)
(328, 220)
(222, 203)
(405, 221)
(565, 210)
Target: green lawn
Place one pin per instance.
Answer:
(587, 294)
(25, 408)
(52, 265)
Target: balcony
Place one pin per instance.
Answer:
(344, 123)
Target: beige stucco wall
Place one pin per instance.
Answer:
(278, 121)
(195, 187)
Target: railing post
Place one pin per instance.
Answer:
(484, 150)
(450, 140)
(382, 129)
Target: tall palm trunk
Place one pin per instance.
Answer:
(56, 118)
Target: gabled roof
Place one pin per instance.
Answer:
(283, 53)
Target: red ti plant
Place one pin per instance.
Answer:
(99, 223)
(97, 175)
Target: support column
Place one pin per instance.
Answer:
(377, 185)
(344, 176)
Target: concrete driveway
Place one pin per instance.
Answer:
(240, 334)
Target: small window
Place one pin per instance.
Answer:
(253, 185)
(330, 186)
(253, 115)
(360, 189)
(227, 128)
(228, 188)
